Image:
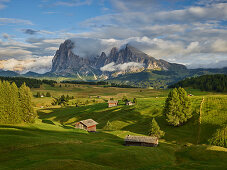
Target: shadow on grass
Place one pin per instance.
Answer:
(48, 122)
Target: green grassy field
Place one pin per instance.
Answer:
(53, 143)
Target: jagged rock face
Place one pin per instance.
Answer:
(66, 62)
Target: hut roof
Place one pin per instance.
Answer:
(88, 122)
(112, 101)
(145, 139)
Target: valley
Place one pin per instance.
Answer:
(53, 143)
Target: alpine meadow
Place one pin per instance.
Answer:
(113, 84)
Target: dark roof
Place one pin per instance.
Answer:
(145, 139)
(88, 122)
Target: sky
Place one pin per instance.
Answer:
(190, 32)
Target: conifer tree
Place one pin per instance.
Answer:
(108, 126)
(28, 114)
(177, 107)
(155, 129)
(134, 101)
(48, 94)
(38, 95)
(15, 113)
(3, 115)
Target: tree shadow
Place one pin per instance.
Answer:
(48, 121)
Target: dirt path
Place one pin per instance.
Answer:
(200, 119)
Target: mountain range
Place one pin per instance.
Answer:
(127, 65)
(117, 62)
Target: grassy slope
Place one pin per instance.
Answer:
(52, 143)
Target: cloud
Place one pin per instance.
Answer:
(209, 2)
(73, 3)
(39, 65)
(120, 67)
(2, 3)
(5, 36)
(92, 47)
(4, 21)
(30, 31)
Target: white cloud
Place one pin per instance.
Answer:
(92, 47)
(4, 21)
(120, 67)
(39, 65)
(73, 3)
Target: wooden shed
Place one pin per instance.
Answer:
(88, 124)
(112, 103)
(141, 141)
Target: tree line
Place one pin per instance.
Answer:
(15, 103)
(30, 82)
(217, 83)
(104, 83)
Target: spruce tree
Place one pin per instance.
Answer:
(134, 101)
(25, 96)
(177, 107)
(38, 95)
(15, 104)
(48, 94)
(155, 129)
(3, 116)
(108, 126)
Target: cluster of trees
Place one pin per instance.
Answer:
(15, 103)
(104, 83)
(32, 83)
(62, 100)
(220, 137)
(38, 95)
(177, 110)
(217, 82)
(125, 99)
(122, 85)
(177, 107)
(86, 82)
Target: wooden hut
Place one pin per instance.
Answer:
(112, 103)
(141, 141)
(88, 124)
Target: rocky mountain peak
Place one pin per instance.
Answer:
(127, 59)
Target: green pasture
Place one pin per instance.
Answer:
(52, 142)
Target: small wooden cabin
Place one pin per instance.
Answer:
(88, 124)
(112, 103)
(141, 141)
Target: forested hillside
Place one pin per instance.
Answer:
(32, 83)
(217, 83)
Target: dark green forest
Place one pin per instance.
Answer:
(30, 82)
(216, 82)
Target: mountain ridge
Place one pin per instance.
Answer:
(65, 62)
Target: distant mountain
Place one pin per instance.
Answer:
(32, 74)
(7, 73)
(118, 62)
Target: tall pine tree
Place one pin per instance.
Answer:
(155, 129)
(25, 96)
